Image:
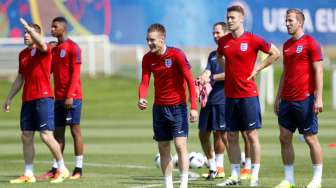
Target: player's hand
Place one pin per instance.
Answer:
(253, 74)
(6, 106)
(68, 103)
(276, 106)
(204, 79)
(318, 105)
(193, 116)
(142, 104)
(24, 23)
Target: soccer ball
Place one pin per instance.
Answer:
(157, 160)
(175, 160)
(196, 160)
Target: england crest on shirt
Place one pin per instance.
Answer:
(62, 53)
(33, 52)
(243, 47)
(299, 49)
(168, 63)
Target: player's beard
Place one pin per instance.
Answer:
(290, 31)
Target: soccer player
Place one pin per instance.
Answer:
(66, 57)
(171, 71)
(299, 98)
(237, 52)
(212, 116)
(37, 111)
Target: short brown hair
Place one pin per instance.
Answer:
(223, 24)
(36, 27)
(299, 14)
(236, 8)
(157, 27)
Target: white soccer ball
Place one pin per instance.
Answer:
(175, 160)
(196, 160)
(157, 160)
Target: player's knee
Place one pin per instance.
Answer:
(164, 154)
(180, 148)
(310, 139)
(285, 140)
(46, 138)
(27, 138)
(60, 139)
(252, 139)
(59, 136)
(232, 138)
(76, 134)
(225, 140)
(75, 130)
(203, 138)
(164, 147)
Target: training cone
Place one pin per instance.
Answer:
(333, 145)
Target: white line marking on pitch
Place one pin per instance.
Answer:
(192, 175)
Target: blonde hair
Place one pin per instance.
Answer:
(299, 14)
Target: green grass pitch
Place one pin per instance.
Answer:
(119, 150)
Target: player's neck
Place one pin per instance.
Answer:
(62, 38)
(298, 35)
(162, 51)
(239, 32)
(31, 46)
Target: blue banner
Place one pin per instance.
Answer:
(188, 22)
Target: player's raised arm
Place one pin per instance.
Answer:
(143, 87)
(273, 55)
(16, 86)
(37, 38)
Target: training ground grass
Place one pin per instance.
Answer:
(119, 150)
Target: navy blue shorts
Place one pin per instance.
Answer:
(65, 116)
(170, 122)
(37, 115)
(242, 114)
(212, 118)
(298, 115)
